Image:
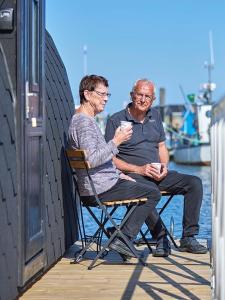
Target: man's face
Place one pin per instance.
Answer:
(143, 97)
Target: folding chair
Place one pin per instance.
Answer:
(142, 241)
(77, 160)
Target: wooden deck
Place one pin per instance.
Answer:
(180, 276)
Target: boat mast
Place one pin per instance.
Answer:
(85, 59)
(209, 86)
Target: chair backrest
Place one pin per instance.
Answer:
(78, 159)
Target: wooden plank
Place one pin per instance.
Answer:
(180, 276)
(124, 202)
(77, 164)
(76, 153)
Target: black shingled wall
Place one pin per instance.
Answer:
(8, 189)
(8, 167)
(60, 209)
(60, 213)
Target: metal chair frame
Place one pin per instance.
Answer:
(160, 211)
(77, 160)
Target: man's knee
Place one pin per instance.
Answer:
(154, 194)
(194, 182)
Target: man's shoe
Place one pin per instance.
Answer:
(163, 248)
(190, 244)
(110, 230)
(119, 246)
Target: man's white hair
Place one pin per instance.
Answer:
(144, 80)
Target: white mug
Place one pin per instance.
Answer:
(157, 165)
(125, 124)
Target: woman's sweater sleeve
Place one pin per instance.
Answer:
(91, 139)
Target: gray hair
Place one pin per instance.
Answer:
(144, 80)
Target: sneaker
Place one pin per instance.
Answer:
(190, 244)
(119, 246)
(163, 248)
(110, 230)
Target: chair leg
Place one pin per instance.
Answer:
(87, 246)
(161, 211)
(108, 217)
(119, 232)
(100, 229)
(171, 237)
(146, 241)
(127, 241)
(167, 231)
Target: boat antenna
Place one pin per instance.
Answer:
(183, 93)
(85, 59)
(209, 65)
(186, 103)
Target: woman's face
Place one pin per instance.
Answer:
(98, 98)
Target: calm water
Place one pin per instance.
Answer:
(175, 208)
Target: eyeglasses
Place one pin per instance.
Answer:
(102, 94)
(146, 97)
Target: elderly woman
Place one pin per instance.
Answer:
(110, 183)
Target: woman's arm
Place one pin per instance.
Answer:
(91, 139)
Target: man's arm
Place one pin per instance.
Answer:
(145, 170)
(163, 153)
(123, 166)
(164, 159)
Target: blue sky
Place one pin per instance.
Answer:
(165, 41)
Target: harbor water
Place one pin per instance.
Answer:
(175, 208)
(174, 212)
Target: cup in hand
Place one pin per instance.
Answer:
(157, 166)
(125, 124)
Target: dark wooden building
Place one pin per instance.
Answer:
(37, 202)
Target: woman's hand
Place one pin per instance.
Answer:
(122, 135)
(124, 176)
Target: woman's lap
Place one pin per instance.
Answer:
(126, 189)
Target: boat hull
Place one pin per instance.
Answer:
(193, 155)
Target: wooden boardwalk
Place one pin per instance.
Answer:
(180, 276)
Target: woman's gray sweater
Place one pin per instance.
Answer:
(85, 134)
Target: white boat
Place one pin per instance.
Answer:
(195, 149)
(193, 155)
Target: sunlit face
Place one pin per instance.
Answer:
(98, 98)
(143, 96)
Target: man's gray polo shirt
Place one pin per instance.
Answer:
(142, 148)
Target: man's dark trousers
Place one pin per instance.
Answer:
(187, 185)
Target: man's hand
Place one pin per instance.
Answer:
(152, 171)
(163, 172)
(144, 170)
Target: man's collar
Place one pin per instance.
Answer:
(129, 117)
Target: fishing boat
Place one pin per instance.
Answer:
(192, 142)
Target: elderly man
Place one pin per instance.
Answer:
(147, 146)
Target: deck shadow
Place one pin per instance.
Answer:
(188, 278)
